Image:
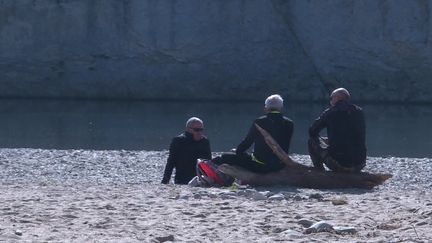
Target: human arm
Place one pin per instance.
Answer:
(208, 154)
(319, 124)
(248, 140)
(290, 134)
(362, 127)
(170, 162)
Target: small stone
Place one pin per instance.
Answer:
(422, 223)
(165, 238)
(320, 226)
(250, 190)
(18, 232)
(277, 197)
(305, 223)
(278, 230)
(258, 196)
(316, 196)
(174, 196)
(109, 207)
(412, 210)
(246, 193)
(339, 201)
(385, 226)
(242, 193)
(292, 234)
(227, 196)
(183, 195)
(345, 230)
(233, 194)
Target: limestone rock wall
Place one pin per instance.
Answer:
(215, 49)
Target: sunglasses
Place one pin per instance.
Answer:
(197, 129)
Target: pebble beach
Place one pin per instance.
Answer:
(116, 196)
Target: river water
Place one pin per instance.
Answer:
(392, 130)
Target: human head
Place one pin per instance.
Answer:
(273, 103)
(339, 94)
(195, 126)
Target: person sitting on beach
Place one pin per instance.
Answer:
(263, 160)
(345, 148)
(184, 151)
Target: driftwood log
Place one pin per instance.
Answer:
(296, 174)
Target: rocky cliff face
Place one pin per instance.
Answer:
(224, 49)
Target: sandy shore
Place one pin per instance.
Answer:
(115, 196)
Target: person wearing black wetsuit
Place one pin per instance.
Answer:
(263, 160)
(184, 151)
(345, 148)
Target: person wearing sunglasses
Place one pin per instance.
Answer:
(263, 160)
(344, 149)
(184, 151)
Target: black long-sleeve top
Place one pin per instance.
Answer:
(279, 127)
(183, 154)
(345, 125)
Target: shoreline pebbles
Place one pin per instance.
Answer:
(100, 196)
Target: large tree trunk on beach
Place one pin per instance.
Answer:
(307, 178)
(296, 174)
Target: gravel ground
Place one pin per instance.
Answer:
(89, 168)
(116, 196)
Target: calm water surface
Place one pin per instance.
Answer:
(391, 130)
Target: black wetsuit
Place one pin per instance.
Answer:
(345, 125)
(262, 160)
(183, 155)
